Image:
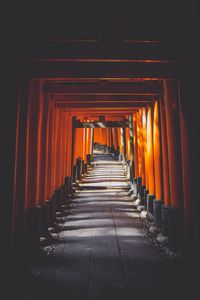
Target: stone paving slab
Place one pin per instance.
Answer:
(101, 254)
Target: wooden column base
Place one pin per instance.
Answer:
(176, 228)
(157, 205)
(150, 198)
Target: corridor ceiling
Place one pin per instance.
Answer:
(95, 61)
(90, 83)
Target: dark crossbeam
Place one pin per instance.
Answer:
(101, 124)
(61, 69)
(129, 49)
(60, 98)
(122, 105)
(103, 88)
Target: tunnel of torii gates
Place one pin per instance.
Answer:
(139, 108)
(55, 132)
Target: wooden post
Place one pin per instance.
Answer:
(157, 153)
(144, 124)
(92, 141)
(165, 159)
(49, 157)
(73, 145)
(20, 165)
(43, 151)
(150, 162)
(69, 141)
(135, 142)
(173, 142)
(175, 214)
(55, 143)
(33, 143)
(130, 122)
(190, 157)
(123, 144)
(140, 145)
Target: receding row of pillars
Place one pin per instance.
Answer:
(155, 151)
(48, 146)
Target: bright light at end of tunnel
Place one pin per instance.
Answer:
(101, 125)
(144, 119)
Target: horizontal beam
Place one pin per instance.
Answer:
(107, 118)
(98, 124)
(103, 88)
(98, 111)
(100, 79)
(95, 114)
(127, 49)
(111, 116)
(115, 69)
(100, 98)
(72, 105)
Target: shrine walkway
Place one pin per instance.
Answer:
(101, 253)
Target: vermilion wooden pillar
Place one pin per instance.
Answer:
(173, 141)
(130, 119)
(165, 162)
(111, 136)
(55, 148)
(157, 153)
(91, 140)
(33, 143)
(73, 161)
(78, 144)
(108, 136)
(20, 163)
(59, 150)
(88, 140)
(96, 135)
(115, 138)
(43, 150)
(138, 142)
(104, 136)
(144, 125)
(69, 144)
(50, 153)
(84, 140)
(61, 138)
(99, 135)
(127, 136)
(13, 144)
(64, 148)
(140, 147)
(150, 161)
(175, 212)
(190, 157)
(135, 142)
(98, 132)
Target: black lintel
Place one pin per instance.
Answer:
(98, 124)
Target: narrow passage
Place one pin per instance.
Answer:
(101, 253)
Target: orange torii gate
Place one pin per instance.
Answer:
(48, 140)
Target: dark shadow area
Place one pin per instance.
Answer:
(170, 281)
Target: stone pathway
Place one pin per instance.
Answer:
(101, 253)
